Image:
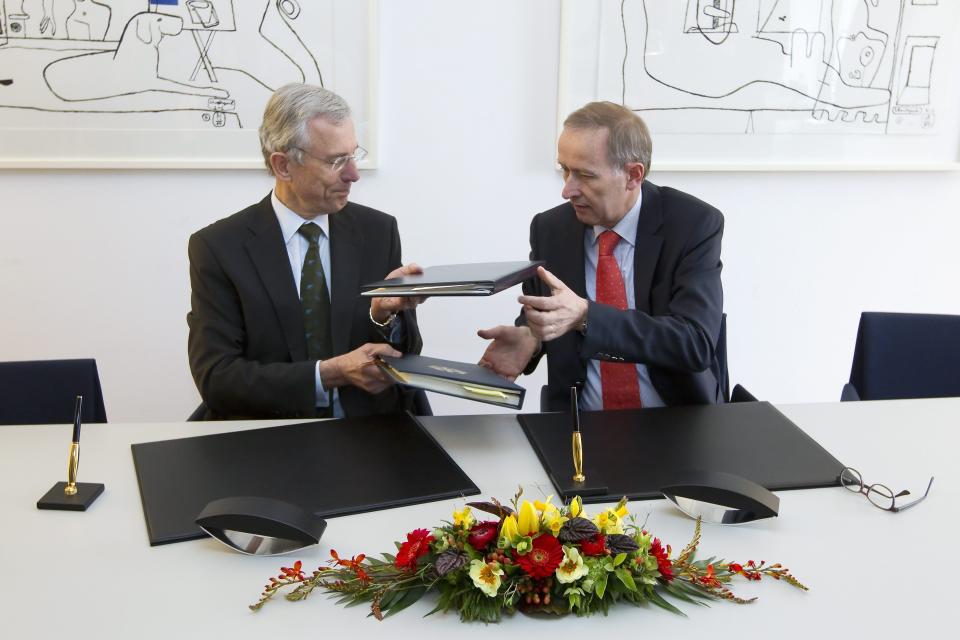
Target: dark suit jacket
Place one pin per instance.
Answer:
(247, 349)
(679, 299)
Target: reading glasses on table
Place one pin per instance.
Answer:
(879, 495)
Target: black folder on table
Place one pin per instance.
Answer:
(459, 379)
(478, 279)
(330, 467)
(635, 453)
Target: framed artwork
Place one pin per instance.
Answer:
(774, 84)
(171, 83)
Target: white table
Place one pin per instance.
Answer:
(872, 573)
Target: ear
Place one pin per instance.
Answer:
(280, 163)
(144, 27)
(634, 172)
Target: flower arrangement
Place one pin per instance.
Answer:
(535, 557)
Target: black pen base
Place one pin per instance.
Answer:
(86, 493)
(594, 485)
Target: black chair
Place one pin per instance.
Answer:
(905, 355)
(45, 391)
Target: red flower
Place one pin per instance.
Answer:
(595, 546)
(482, 534)
(543, 559)
(709, 579)
(417, 544)
(293, 572)
(354, 564)
(663, 559)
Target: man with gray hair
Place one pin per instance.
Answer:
(277, 327)
(629, 302)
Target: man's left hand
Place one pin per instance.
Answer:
(553, 316)
(382, 308)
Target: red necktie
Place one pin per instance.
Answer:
(618, 380)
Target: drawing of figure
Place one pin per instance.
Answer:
(37, 16)
(89, 20)
(761, 54)
(130, 70)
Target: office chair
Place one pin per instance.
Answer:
(45, 391)
(905, 355)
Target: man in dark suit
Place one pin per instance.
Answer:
(277, 327)
(630, 301)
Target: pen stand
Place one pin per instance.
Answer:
(57, 499)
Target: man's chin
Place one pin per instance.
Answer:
(585, 215)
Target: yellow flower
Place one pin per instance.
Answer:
(608, 521)
(552, 520)
(572, 567)
(463, 518)
(486, 576)
(576, 507)
(543, 506)
(509, 533)
(528, 523)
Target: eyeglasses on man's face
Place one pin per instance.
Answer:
(339, 162)
(878, 494)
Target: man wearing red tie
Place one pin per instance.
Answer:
(630, 302)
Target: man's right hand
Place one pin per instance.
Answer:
(510, 351)
(358, 369)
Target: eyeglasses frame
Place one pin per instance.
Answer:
(865, 490)
(340, 162)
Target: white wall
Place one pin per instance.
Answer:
(93, 263)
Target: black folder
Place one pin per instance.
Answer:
(634, 453)
(331, 468)
(478, 279)
(459, 379)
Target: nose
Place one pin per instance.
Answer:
(571, 188)
(350, 171)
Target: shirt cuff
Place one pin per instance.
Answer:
(323, 398)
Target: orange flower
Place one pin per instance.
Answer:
(293, 572)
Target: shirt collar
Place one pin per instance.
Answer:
(627, 227)
(290, 222)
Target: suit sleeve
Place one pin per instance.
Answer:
(230, 384)
(684, 339)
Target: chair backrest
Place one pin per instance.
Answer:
(906, 355)
(44, 391)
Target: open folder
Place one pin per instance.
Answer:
(477, 279)
(459, 379)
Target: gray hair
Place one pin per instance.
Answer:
(289, 111)
(629, 139)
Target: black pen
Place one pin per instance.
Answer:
(73, 463)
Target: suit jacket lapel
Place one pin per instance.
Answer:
(270, 259)
(647, 247)
(346, 251)
(570, 269)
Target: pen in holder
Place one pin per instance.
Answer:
(72, 495)
(577, 441)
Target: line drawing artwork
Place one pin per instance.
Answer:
(776, 66)
(204, 65)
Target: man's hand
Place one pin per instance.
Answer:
(382, 308)
(510, 351)
(358, 369)
(553, 316)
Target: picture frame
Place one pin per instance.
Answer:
(172, 84)
(770, 85)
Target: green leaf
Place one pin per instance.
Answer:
(626, 579)
(658, 600)
(618, 560)
(600, 586)
(408, 598)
